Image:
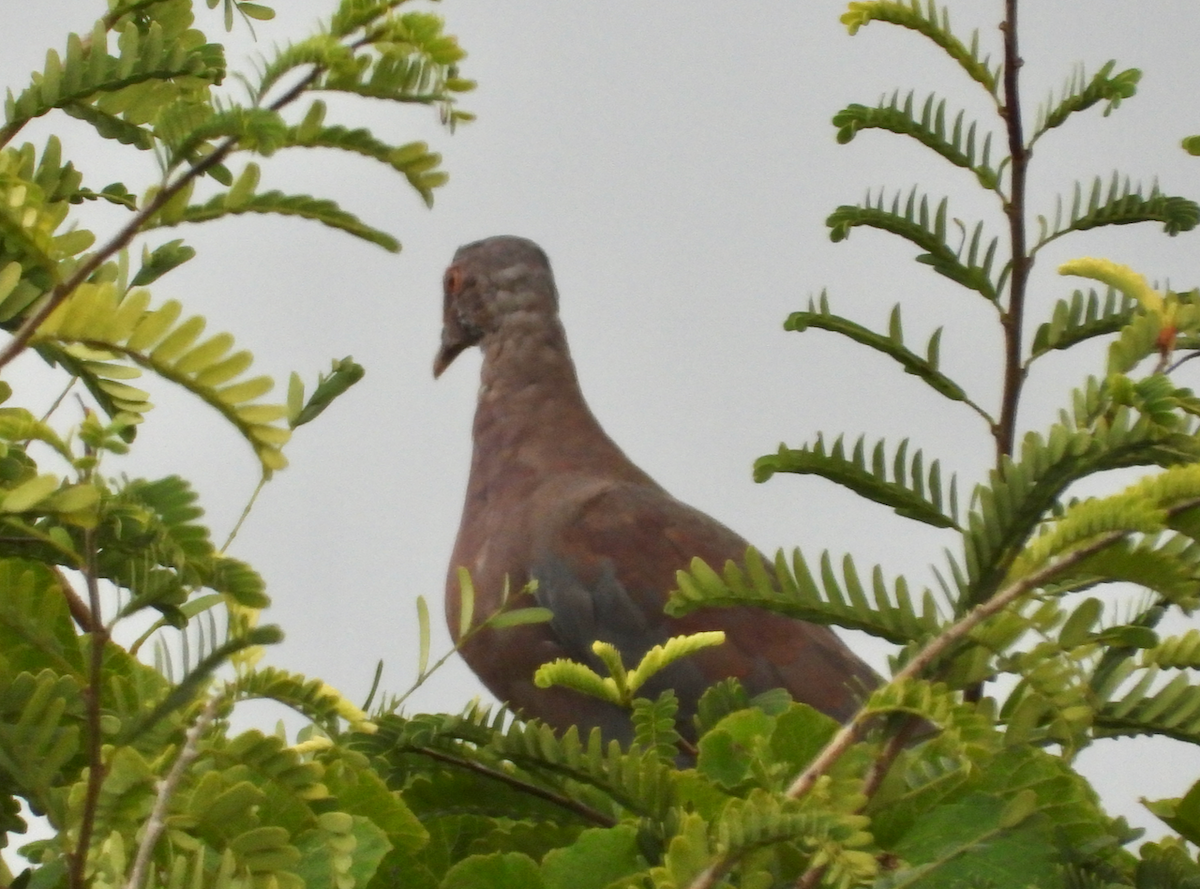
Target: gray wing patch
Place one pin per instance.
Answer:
(583, 613)
(605, 611)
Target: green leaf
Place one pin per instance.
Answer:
(975, 840)
(160, 260)
(654, 725)
(116, 82)
(791, 589)
(1081, 319)
(931, 24)
(29, 494)
(359, 790)
(343, 853)
(97, 332)
(519, 617)
(414, 159)
(511, 870)
(910, 492)
(914, 222)
(1120, 204)
(597, 858)
(1181, 815)
(566, 673)
(731, 750)
(344, 374)
(819, 316)
(256, 11)
(1078, 96)
(1173, 710)
(303, 206)
(930, 129)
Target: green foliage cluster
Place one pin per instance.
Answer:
(134, 767)
(947, 777)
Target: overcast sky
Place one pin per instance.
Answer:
(676, 161)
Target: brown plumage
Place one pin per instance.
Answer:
(551, 497)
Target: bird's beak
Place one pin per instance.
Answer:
(453, 342)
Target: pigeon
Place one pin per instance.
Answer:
(552, 499)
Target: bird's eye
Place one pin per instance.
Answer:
(453, 280)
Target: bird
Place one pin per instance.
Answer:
(551, 498)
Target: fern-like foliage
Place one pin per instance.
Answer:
(790, 588)
(41, 722)
(35, 626)
(1171, 710)
(414, 159)
(891, 344)
(98, 325)
(1082, 318)
(1080, 93)
(958, 145)
(415, 60)
(933, 23)
(154, 547)
(242, 198)
(762, 819)
(87, 71)
(913, 221)
(1120, 204)
(911, 491)
(89, 735)
(323, 705)
(1177, 652)
(654, 726)
(598, 775)
(36, 203)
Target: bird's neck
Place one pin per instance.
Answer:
(532, 418)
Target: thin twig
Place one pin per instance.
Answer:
(53, 407)
(901, 738)
(1181, 361)
(565, 802)
(157, 822)
(871, 784)
(98, 637)
(80, 613)
(245, 514)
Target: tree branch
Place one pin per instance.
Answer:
(98, 637)
(1014, 208)
(586, 812)
(157, 822)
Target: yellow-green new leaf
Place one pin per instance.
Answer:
(179, 339)
(29, 494)
(224, 371)
(466, 599)
(74, 499)
(10, 276)
(154, 326)
(661, 656)
(568, 674)
(247, 390)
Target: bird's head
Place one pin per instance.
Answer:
(488, 282)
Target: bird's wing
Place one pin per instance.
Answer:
(605, 562)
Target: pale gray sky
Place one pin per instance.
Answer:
(677, 162)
